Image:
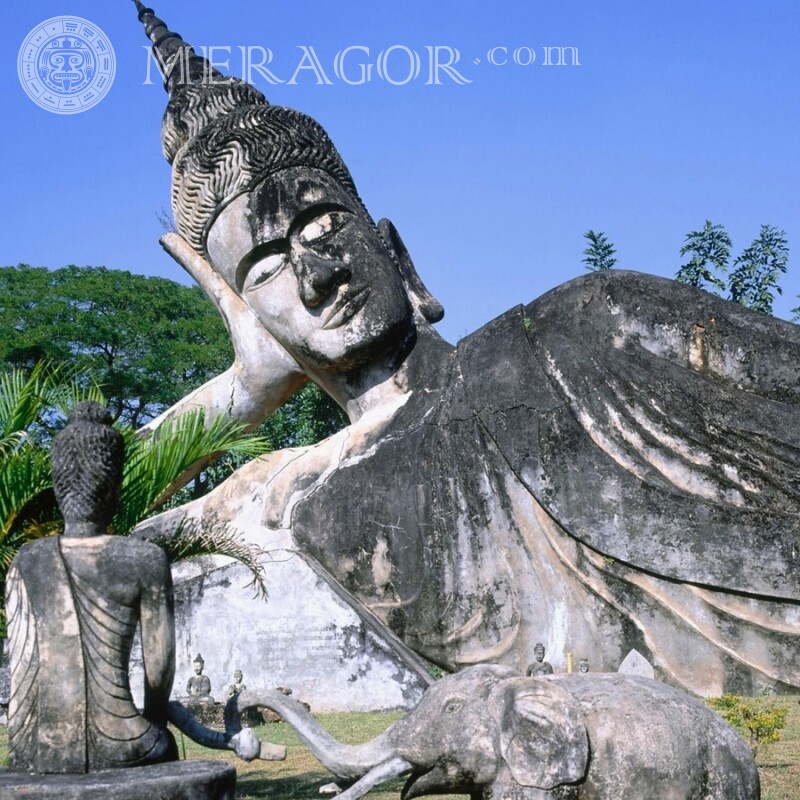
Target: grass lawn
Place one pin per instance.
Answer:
(300, 776)
(779, 763)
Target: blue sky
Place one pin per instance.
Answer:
(679, 112)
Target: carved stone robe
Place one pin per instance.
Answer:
(70, 708)
(612, 467)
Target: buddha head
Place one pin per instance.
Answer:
(263, 194)
(198, 664)
(87, 460)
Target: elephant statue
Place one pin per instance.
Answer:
(494, 735)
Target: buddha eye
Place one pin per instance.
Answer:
(323, 227)
(264, 269)
(453, 706)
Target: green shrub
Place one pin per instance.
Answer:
(758, 720)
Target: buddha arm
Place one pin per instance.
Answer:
(263, 375)
(231, 393)
(158, 641)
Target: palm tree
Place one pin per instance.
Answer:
(154, 468)
(33, 407)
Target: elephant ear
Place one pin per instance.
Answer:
(543, 738)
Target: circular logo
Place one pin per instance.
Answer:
(66, 65)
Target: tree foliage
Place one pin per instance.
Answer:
(307, 418)
(753, 281)
(756, 271)
(709, 250)
(33, 407)
(148, 341)
(599, 255)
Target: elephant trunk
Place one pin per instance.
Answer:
(243, 742)
(347, 762)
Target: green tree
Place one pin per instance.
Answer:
(307, 418)
(709, 250)
(756, 271)
(148, 341)
(599, 255)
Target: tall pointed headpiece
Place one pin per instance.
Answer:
(222, 136)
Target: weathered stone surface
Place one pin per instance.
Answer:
(74, 602)
(180, 780)
(488, 732)
(613, 466)
(636, 664)
(474, 500)
(340, 661)
(5, 683)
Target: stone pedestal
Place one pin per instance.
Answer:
(179, 780)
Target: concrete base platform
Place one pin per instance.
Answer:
(179, 780)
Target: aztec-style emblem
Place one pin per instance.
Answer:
(66, 65)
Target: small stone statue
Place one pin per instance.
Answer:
(237, 687)
(539, 666)
(74, 602)
(198, 687)
(583, 666)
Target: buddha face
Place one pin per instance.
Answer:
(311, 265)
(538, 652)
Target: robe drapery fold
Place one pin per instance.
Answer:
(71, 709)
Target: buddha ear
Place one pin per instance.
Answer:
(430, 308)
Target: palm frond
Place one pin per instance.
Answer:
(29, 401)
(38, 529)
(154, 464)
(22, 398)
(193, 539)
(23, 475)
(73, 389)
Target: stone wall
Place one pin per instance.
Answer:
(309, 635)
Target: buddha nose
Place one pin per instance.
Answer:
(318, 277)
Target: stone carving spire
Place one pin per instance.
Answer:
(222, 136)
(198, 93)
